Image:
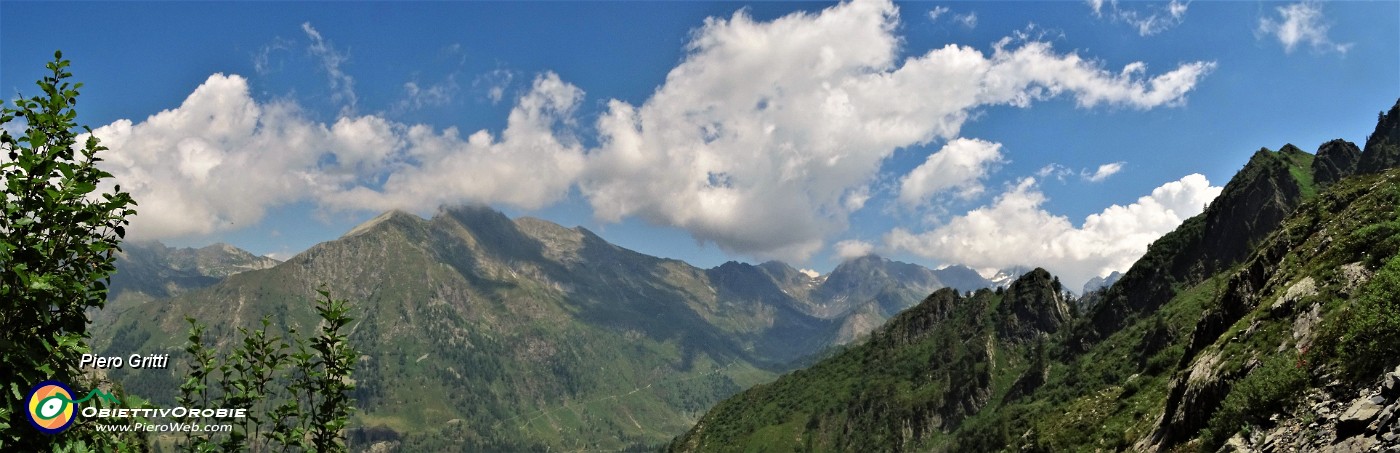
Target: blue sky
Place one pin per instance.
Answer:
(1061, 134)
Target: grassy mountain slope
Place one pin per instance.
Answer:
(1220, 327)
(487, 333)
(922, 373)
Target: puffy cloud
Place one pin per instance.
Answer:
(1016, 230)
(1103, 172)
(216, 162)
(758, 138)
(1034, 72)
(221, 159)
(762, 140)
(1301, 23)
(852, 248)
(960, 165)
(528, 166)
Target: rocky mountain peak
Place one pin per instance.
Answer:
(1335, 160)
(1098, 283)
(1033, 305)
(386, 220)
(962, 278)
(1252, 205)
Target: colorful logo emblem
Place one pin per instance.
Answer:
(51, 407)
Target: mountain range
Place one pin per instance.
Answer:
(1255, 324)
(486, 332)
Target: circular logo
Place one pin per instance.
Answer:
(50, 406)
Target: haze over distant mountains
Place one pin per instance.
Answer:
(152, 269)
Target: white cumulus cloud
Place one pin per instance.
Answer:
(762, 140)
(1015, 229)
(1301, 23)
(528, 166)
(960, 165)
(216, 162)
(220, 160)
(758, 138)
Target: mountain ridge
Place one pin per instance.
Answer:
(524, 311)
(1242, 328)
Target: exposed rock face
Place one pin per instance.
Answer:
(1383, 146)
(917, 322)
(1360, 414)
(1252, 205)
(1324, 422)
(1034, 306)
(1335, 160)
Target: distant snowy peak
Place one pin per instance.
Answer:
(1003, 278)
(1097, 283)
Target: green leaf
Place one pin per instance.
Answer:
(40, 283)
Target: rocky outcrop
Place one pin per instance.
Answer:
(1251, 206)
(1335, 160)
(918, 322)
(1369, 422)
(1033, 306)
(1383, 146)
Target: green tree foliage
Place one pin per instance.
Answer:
(298, 394)
(58, 233)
